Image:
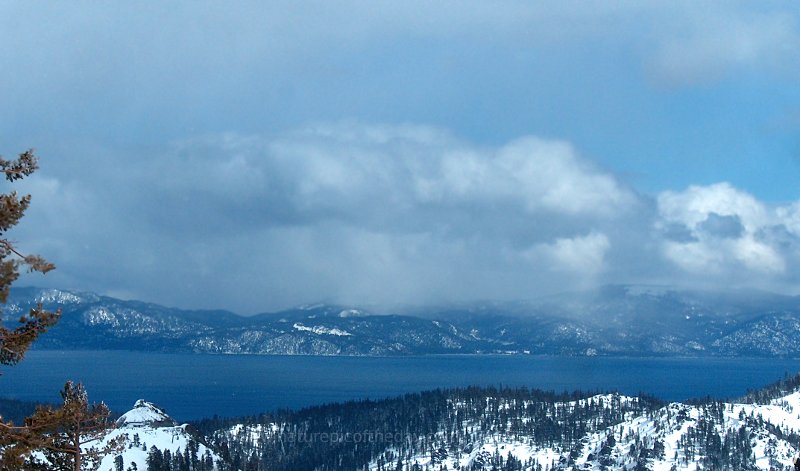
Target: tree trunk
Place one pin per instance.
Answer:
(76, 442)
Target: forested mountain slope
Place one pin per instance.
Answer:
(520, 429)
(614, 320)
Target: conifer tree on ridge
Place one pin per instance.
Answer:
(59, 435)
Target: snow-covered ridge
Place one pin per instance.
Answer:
(661, 440)
(55, 296)
(320, 330)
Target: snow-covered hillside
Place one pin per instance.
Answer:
(478, 428)
(148, 428)
(675, 437)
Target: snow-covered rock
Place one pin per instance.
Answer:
(145, 414)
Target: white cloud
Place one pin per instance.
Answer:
(402, 210)
(712, 250)
(694, 257)
(759, 256)
(789, 215)
(345, 212)
(388, 214)
(538, 174)
(693, 206)
(581, 255)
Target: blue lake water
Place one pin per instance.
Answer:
(194, 386)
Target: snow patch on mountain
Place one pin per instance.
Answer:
(55, 296)
(254, 432)
(351, 313)
(320, 330)
(100, 315)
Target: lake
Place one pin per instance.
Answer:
(191, 386)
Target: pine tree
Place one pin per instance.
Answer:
(155, 459)
(61, 435)
(57, 433)
(64, 433)
(15, 342)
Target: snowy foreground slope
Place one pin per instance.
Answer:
(676, 436)
(146, 427)
(479, 428)
(521, 429)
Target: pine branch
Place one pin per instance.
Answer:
(23, 166)
(34, 262)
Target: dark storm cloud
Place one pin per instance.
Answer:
(678, 232)
(729, 226)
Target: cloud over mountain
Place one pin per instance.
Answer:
(269, 154)
(393, 214)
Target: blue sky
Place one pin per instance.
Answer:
(255, 155)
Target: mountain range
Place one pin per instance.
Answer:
(612, 320)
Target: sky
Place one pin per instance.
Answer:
(254, 156)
